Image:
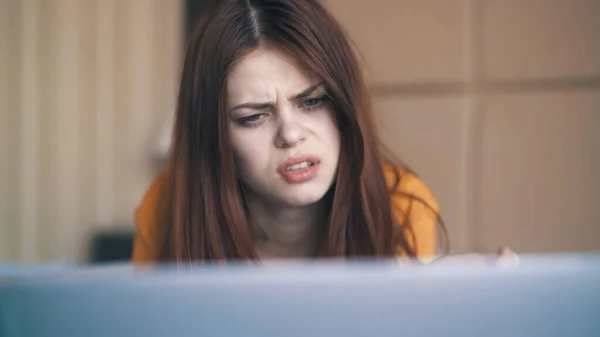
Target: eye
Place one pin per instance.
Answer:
(252, 120)
(313, 102)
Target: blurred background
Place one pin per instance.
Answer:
(495, 103)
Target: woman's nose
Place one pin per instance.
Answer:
(291, 131)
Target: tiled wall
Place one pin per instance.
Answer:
(496, 103)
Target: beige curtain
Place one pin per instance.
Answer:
(84, 88)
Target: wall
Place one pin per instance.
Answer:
(84, 86)
(496, 103)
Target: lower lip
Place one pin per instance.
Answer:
(300, 176)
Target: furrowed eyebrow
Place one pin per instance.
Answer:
(269, 105)
(255, 106)
(308, 91)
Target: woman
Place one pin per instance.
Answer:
(275, 151)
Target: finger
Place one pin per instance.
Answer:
(504, 251)
(507, 258)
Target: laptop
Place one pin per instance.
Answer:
(550, 295)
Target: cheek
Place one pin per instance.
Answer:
(330, 131)
(250, 151)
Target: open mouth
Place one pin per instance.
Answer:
(299, 166)
(299, 169)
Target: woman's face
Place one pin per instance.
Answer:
(282, 128)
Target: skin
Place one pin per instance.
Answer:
(276, 111)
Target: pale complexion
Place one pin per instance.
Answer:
(278, 112)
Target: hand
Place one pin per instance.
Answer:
(503, 258)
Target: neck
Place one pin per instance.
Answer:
(283, 231)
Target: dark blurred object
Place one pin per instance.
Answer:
(112, 246)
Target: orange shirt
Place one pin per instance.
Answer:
(422, 218)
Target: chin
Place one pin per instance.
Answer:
(303, 196)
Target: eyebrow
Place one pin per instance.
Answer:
(265, 105)
(308, 91)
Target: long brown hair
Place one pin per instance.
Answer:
(203, 214)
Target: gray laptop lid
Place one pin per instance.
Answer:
(545, 296)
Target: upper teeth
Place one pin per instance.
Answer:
(299, 166)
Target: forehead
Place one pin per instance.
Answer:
(265, 74)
